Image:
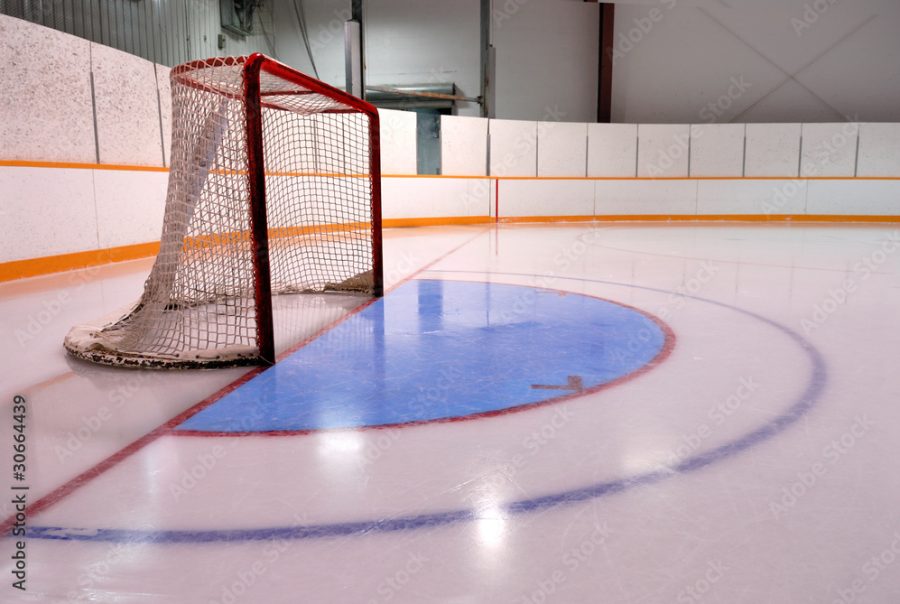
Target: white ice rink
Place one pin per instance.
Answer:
(755, 463)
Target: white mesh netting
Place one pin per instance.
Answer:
(198, 307)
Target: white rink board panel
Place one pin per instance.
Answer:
(764, 197)
(879, 150)
(130, 206)
(513, 148)
(464, 143)
(855, 197)
(164, 90)
(398, 141)
(717, 150)
(772, 150)
(652, 197)
(612, 150)
(829, 149)
(46, 97)
(663, 150)
(47, 211)
(562, 149)
(436, 197)
(546, 198)
(126, 98)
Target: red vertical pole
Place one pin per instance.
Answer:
(605, 75)
(375, 176)
(256, 175)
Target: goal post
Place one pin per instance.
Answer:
(274, 188)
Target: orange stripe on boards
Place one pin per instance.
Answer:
(33, 267)
(702, 218)
(447, 176)
(756, 218)
(213, 240)
(439, 221)
(514, 219)
(123, 167)
(15, 163)
(667, 178)
(20, 269)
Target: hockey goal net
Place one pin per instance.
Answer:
(274, 188)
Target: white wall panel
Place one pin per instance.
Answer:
(562, 149)
(46, 211)
(765, 197)
(660, 197)
(728, 80)
(612, 150)
(879, 150)
(45, 100)
(165, 107)
(130, 206)
(464, 143)
(546, 198)
(829, 149)
(663, 149)
(436, 197)
(126, 96)
(773, 150)
(861, 197)
(513, 146)
(546, 59)
(398, 141)
(717, 150)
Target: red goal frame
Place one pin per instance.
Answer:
(252, 67)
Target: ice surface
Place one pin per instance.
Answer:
(755, 465)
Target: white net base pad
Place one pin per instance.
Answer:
(90, 343)
(110, 341)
